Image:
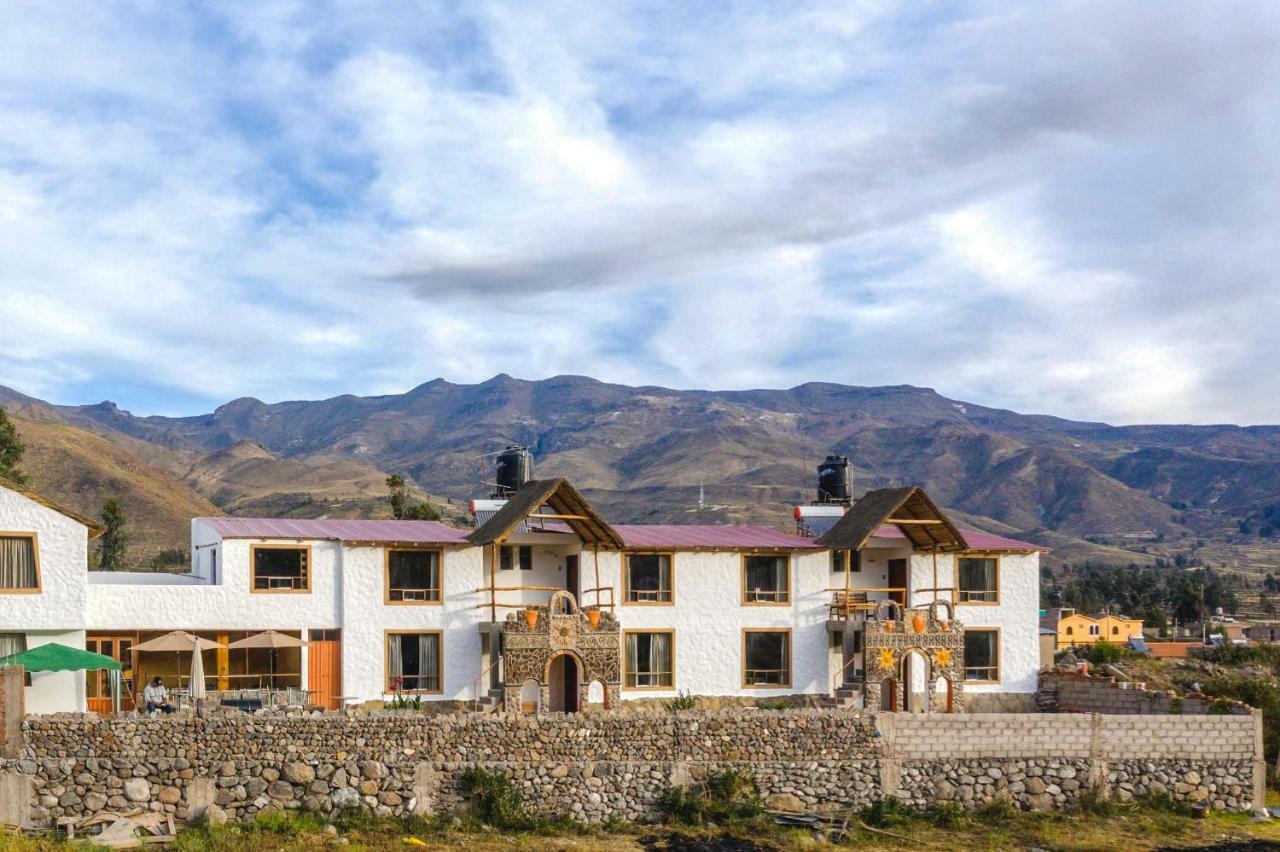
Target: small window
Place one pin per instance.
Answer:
(413, 662)
(1093, 630)
(1115, 631)
(650, 659)
(19, 563)
(840, 558)
(982, 656)
(12, 643)
(281, 569)
(766, 580)
(766, 658)
(649, 578)
(978, 579)
(1071, 631)
(508, 554)
(413, 576)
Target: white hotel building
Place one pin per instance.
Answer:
(546, 606)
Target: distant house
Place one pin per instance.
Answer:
(1078, 629)
(1172, 650)
(1233, 634)
(1263, 633)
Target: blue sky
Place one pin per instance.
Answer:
(1066, 208)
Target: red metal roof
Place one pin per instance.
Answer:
(976, 540)
(711, 536)
(417, 532)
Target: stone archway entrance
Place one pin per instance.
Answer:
(563, 650)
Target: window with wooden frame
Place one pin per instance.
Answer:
(982, 655)
(649, 578)
(280, 568)
(978, 579)
(508, 554)
(413, 576)
(766, 657)
(414, 661)
(766, 579)
(649, 659)
(19, 563)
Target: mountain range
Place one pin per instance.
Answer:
(647, 454)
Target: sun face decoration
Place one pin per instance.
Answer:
(944, 656)
(886, 658)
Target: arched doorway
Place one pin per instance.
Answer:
(942, 695)
(889, 695)
(915, 682)
(598, 694)
(564, 682)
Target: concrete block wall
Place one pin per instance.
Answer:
(1070, 692)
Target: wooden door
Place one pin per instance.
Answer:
(898, 580)
(571, 577)
(98, 683)
(324, 672)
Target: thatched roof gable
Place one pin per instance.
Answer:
(563, 499)
(886, 505)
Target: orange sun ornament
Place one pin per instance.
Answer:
(886, 658)
(944, 657)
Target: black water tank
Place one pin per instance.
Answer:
(514, 468)
(833, 480)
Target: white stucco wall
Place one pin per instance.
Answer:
(1016, 616)
(63, 546)
(709, 618)
(367, 617)
(56, 692)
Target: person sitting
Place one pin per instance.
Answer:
(157, 697)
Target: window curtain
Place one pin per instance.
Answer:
(395, 657)
(633, 659)
(17, 563)
(428, 662)
(12, 643)
(977, 575)
(659, 657)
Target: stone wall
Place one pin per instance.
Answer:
(1072, 692)
(595, 766)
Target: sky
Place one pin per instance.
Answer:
(1067, 208)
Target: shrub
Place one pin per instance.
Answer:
(495, 800)
(1220, 707)
(1104, 652)
(725, 796)
(682, 701)
(773, 704)
(883, 813)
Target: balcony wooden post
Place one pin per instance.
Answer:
(493, 582)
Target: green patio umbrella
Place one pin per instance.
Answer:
(62, 658)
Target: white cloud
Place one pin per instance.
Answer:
(1056, 207)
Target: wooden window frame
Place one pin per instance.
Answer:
(852, 560)
(626, 577)
(668, 630)
(253, 576)
(996, 631)
(516, 564)
(791, 653)
(742, 570)
(35, 554)
(386, 662)
(386, 576)
(960, 601)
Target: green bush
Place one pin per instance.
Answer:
(1104, 652)
(682, 701)
(773, 704)
(885, 813)
(495, 800)
(724, 797)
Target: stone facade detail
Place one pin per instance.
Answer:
(562, 628)
(929, 634)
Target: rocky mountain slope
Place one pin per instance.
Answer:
(643, 451)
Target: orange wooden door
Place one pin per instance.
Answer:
(324, 672)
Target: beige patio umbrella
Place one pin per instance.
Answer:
(270, 639)
(178, 641)
(197, 672)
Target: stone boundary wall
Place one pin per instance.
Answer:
(1071, 692)
(595, 766)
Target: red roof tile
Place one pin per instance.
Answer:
(417, 532)
(710, 536)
